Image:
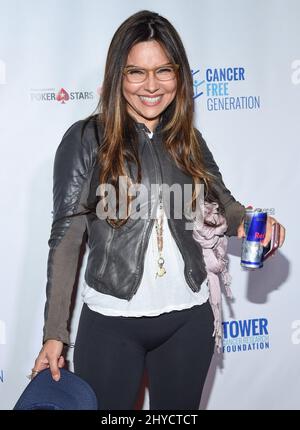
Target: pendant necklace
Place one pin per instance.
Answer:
(161, 271)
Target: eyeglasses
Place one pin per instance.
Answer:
(137, 75)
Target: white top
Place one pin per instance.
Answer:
(155, 295)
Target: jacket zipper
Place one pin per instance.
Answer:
(173, 231)
(189, 271)
(106, 251)
(146, 239)
(151, 222)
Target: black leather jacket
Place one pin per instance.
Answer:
(116, 256)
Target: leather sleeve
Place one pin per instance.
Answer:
(73, 164)
(234, 211)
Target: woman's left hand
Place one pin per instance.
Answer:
(270, 222)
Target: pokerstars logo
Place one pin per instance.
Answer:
(61, 96)
(217, 86)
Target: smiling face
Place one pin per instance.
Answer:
(147, 100)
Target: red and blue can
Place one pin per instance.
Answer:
(255, 224)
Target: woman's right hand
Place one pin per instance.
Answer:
(50, 356)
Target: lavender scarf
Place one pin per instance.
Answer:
(214, 246)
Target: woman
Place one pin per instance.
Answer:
(145, 296)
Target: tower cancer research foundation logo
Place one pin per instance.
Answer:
(62, 96)
(245, 335)
(216, 85)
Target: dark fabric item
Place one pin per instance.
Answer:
(69, 393)
(175, 348)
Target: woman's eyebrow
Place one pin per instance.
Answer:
(140, 67)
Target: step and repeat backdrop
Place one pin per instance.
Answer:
(245, 61)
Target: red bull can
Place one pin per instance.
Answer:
(255, 224)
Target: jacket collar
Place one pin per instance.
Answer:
(142, 126)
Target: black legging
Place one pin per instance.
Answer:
(176, 348)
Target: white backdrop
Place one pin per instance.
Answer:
(52, 57)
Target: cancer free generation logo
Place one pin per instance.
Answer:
(245, 335)
(216, 85)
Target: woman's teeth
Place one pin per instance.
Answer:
(150, 99)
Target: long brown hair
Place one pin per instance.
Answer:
(178, 131)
